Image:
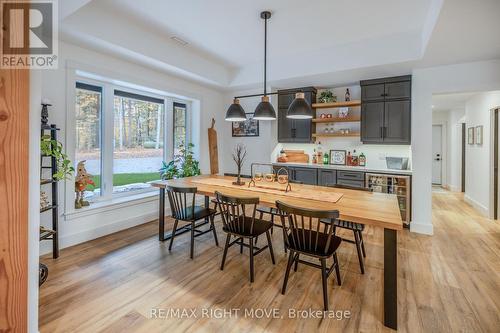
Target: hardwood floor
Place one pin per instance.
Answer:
(446, 283)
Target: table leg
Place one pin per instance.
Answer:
(390, 279)
(161, 218)
(207, 205)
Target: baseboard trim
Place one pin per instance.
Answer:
(422, 228)
(477, 206)
(90, 234)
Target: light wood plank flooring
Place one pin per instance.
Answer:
(446, 283)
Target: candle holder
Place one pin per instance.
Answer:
(266, 180)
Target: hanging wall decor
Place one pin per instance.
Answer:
(479, 135)
(248, 127)
(470, 135)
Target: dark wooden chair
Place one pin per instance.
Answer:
(274, 212)
(356, 228)
(306, 235)
(236, 223)
(183, 208)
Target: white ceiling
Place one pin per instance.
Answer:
(445, 102)
(322, 42)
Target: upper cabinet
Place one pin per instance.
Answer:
(294, 130)
(386, 110)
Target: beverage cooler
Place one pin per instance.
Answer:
(393, 184)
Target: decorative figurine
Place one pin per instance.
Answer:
(347, 95)
(82, 180)
(45, 111)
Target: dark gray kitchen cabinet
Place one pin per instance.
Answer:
(386, 110)
(327, 177)
(305, 175)
(397, 122)
(294, 130)
(397, 90)
(373, 92)
(351, 178)
(372, 122)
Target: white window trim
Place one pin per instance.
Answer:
(107, 198)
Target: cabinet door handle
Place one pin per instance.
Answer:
(381, 132)
(385, 131)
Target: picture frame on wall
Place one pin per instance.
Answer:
(470, 135)
(338, 157)
(479, 135)
(249, 127)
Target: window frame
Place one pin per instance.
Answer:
(179, 104)
(108, 87)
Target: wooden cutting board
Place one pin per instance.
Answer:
(212, 149)
(297, 156)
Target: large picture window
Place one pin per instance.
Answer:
(88, 132)
(122, 135)
(138, 140)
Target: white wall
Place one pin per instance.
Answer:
(466, 77)
(86, 225)
(478, 183)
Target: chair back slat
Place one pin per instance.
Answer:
(303, 228)
(179, 199)
(233, 212)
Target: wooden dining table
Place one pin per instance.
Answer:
(379, 210)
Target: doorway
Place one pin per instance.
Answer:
(495, 163)
(437, 154)
(464, 145)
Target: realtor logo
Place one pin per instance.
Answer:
(29, 34)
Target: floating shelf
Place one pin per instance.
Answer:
(336, 104)
(335, 135)
(336, 120)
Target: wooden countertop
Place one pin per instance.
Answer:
(377, 209)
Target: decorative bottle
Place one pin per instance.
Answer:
(347, 95)
(362, 160)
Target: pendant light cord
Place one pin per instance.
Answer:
(265, 56)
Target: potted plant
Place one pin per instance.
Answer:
(239, 156)
(183, 165)
(54, 148)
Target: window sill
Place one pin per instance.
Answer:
(115, 203)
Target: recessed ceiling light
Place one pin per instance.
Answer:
(179, 40)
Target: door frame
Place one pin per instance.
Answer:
(464, 146)
(443, 154)
(494, 155)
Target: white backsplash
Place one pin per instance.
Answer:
(375, 154)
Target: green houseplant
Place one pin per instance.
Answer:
(183, 164)
(54, 148)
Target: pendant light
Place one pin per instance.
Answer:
(235, 112)
(300, 108)
(265, 110)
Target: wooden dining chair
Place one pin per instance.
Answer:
(272, 211)
(307, 236)
(356, 228)
(236, 223)
(182, 205)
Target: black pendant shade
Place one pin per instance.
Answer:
(235, 112)
(300, 108)
(265, 110)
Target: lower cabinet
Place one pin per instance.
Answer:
(305, 175)
(327, 177)
(351, 178)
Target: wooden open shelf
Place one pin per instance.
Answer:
(336, 104)
(337, 120)
(335, 135)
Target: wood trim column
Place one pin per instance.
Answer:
(14, 159)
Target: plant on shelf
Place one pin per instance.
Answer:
(54, 148)
(327, 96)
(183, 165)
